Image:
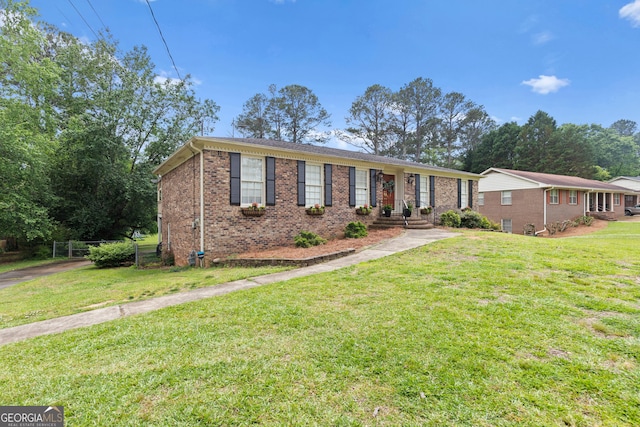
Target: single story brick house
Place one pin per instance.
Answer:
(631, 183)
(207, 188)
(517, 198)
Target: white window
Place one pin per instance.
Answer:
(464, 197)
(506, 198)
(553, 197)
(506, 225)
(251, 177)
(480, 199)
(573, 197)
(424, 192)
(313, 185)
(616, 199)
(362, 188)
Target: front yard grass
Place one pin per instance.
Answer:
(486, 329)
(88, 288)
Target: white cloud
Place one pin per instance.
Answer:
(631, 12)
(542, 37)
(166, 80)
(546, 84)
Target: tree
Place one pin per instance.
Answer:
(534, 142)
(625, 127)
(301, 114)
(454, 110)
(570, 153)
(614, 153)
(421, 100)
(496, 149)
(253, 121)
(371, 120)
(118, 120)
(27, 85)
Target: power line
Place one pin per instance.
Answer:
(163, 40)
(85, 21)
(94, 11)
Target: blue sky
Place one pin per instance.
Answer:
(578, 60)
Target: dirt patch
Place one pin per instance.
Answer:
(597, 224)
(335, 245)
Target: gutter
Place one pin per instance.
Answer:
(544, 215)
(201, 222)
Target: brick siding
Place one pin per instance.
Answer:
(228, 232)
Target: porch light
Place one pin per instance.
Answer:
(380, 175)
(410, 179)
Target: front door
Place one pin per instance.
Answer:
(388, 190)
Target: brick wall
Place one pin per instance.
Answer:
(227, 231)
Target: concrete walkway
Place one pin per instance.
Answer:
(409, 240)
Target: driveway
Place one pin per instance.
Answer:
(14, 277)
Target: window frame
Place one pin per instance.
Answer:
(503, 199)
(573, 197)
(362, 192)
(262, 181)
(502, 225)
(616, 199)
(425, 200)
(464, 193)
(481, 198)
(554, 196)
(318, 188)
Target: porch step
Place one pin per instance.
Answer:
(414, 223)
(607, 216)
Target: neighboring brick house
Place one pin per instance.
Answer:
(517, 198)
(205, 186)
(631, 183)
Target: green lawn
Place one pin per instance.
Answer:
(88, 288)
(486, 329)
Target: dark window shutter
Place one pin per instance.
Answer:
(417, 177)
(471, 193)
(352, 186)
(328, 180)
(271, 181)
(301, 182)
(235, 179)
(373, 190)
(432, 190)
(459, 193)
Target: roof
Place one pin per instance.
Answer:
(558, 181)
(289, 149)
(630, 178)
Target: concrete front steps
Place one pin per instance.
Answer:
(414, 222)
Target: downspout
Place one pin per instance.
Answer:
(544, 214)
(201, 222)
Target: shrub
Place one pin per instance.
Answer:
(112, 254)
(168, 258)
(471, 219)
(306, 239)
(355, 230)
(450, 219)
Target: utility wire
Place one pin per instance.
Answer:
(163, 40)
(98, 15)
(85, 21)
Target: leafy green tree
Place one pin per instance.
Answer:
(27, 85)
(496, 149)
(613, 152)
(253, 122)
(625, 127)
(118, 120)
(371, 120)
(301, 114)
(570, 152)
(532, 149)
(421, 100)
